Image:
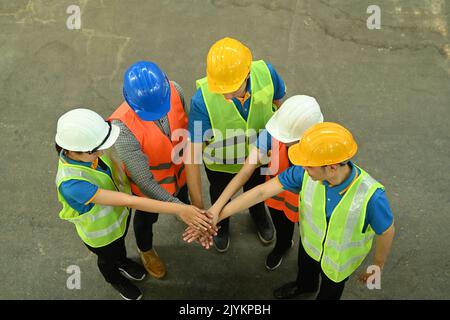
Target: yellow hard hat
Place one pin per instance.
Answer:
(227, 65)
(323, 144)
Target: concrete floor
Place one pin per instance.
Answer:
(390, 87)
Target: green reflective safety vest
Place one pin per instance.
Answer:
(231, 134)
(341, 246)
(102, 224)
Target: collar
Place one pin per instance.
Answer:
(247, 93)
(66, 159)
(344, 186)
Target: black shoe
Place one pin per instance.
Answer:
(264, 226)
(127, 290)
(222, 240)
(275, 258)
(132, 270)
(289, 291)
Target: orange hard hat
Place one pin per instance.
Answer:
(227, 65)
(323, 144)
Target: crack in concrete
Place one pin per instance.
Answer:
(91, 33)
(384, 26)
(29, 13)
(379, 45)
(269, 5)
(291, 28)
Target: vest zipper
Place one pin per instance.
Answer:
(110, 177)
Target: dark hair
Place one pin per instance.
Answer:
(58, 148)
(341, 164)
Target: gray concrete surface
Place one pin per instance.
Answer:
(391, 87)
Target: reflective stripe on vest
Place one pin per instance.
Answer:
(285, 201)
(156, 145)
(106, 231)
(232, 134)
(161, 166)
(355, 210)
(340, 246)
(102, 224)
(287, 204)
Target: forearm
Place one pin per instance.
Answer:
(153, 190)
(150, 205)
(194, 184)
(252, 197)
(193, 176)
(114, 198)
(235, 184)
(383, 246)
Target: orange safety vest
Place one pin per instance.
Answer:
(285, 201)
(156, 144)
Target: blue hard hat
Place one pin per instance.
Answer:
(146, 89)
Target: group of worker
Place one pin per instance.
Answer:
(282, 154)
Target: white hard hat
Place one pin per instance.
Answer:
(84, 130)
(296, 115)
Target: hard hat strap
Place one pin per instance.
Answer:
(104, 140)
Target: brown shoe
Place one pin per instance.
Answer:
(153, 263)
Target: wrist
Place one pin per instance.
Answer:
(224, 214)
(198, 204)
(214, 210)
(379, 264)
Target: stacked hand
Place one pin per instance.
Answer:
(196, 218)
(204, 236)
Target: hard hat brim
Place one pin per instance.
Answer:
(223, 89)
(272, 128)
(115, 131)
(152, 116)
(295, 156)
(155, 115)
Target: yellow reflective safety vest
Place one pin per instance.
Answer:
(102, 224)
(341, 246)
(231, 134)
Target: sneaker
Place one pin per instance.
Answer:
(222, 240)
(275, 258)
(127, 290)
(132, 270)
(264, 227)
(290, 290)
(152, 263)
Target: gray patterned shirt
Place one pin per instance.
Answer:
(136, 161)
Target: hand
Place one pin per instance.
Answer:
(202, 237)
(214, 215)
(364, 276)
(196, 218)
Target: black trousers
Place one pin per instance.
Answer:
(111, 256)
(309, 271)
(143, 223)
(218, 182)
(284, 230)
